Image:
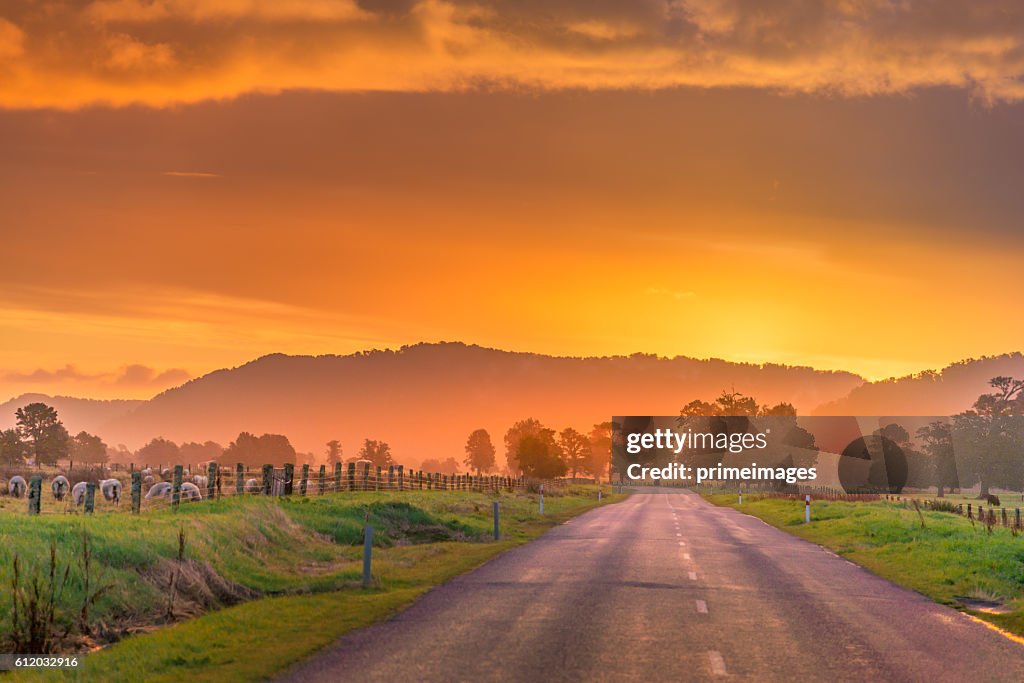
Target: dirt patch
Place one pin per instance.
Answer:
(987, 606)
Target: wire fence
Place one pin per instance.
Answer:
(120, 488)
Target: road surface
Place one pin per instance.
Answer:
(666, 587)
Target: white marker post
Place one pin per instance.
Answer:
(741, 496)
(807, 509)
(542, 499)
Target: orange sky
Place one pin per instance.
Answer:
(187, 185)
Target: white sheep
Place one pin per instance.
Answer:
(200, 480)
(164, 472)
(148, 479)
(161, 489)
(60, 487)
(190, 491)
(17, 486)
(111, 489)
(147, 472)
(78, 492)
(252, 486)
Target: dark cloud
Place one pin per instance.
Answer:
(158, 52)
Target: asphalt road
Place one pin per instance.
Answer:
(666, 587)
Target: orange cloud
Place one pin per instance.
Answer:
(134, 376)
(163, 52)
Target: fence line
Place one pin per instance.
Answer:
(161, 487)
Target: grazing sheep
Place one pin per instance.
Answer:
(17, 486)
(78, 492)
(190, 491)
(111, 489)
(161, 489)
(60, 487)
(200, 480)
(148, 479)
(252, 486)
(147, 472)
(164, 472)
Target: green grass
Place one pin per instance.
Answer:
(303, 554)
(948, 560)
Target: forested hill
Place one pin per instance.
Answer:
(425, 399)
(944, 392)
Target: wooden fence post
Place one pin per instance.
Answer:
(376, 481)
(211, 480)
(136, 492)
(366, 476)
(351, 476)
(35, 494)
(323, 478)
(268, 479)
(391, 477)
(305, 479)
(239, 478)
(90, 497)
(401, 477)
(289, 477)
(176, 486)
(337, 477)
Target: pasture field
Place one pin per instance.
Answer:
(257, 582)
(951, 560)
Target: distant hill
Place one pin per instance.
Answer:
(948, 391)
(77, 414)
(425, 399)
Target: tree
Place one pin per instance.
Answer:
(515, 433)
(334, 453)
(269, 449)
(538, 456)
(43, 432)
(377, 452)
(88, 448)
(937, 442)
(208, 451)
(13, 450)
(600, 449)
(479, 452)
(159, 451)
(119, 453)
(575, 450)
(446, 466)
(990, 436)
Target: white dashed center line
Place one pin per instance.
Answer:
(702, 607)
(693, 576)
(717, 663)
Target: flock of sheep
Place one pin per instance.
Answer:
(111, 489)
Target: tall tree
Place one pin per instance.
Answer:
(269, 449)
(538, 456)
(574, 449)
(43, 432)
(88, 448)
(528, 427)
(435, 466)
(600, 449)
(377, 452)
(937, 442)
(13, 450)
(479, 451)
(990, 436)
(334, 453)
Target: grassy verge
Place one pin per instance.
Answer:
(950, 560)
(300, 558)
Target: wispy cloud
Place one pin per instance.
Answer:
(190, 174)
(132, 376)
(162, 52)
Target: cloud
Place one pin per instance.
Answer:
(166, 52)
(130, 376)
(190, 174)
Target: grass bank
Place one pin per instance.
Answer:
(261, 582)
(950, 560)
